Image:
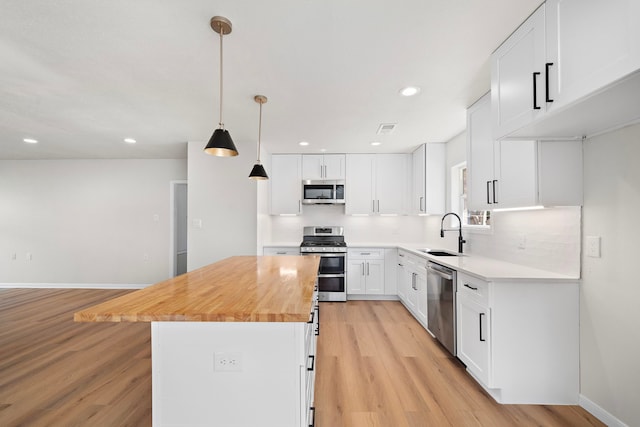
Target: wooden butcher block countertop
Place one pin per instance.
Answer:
(236, 289)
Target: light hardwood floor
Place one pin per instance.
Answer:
(376, 367)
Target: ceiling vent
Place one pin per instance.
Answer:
(386, 128)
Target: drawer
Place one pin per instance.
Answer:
(366, 253)
(475, 288)
(282, 250)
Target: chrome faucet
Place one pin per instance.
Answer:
(442, 230)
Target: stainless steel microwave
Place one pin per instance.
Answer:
(324, 192)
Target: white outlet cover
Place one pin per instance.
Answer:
(592, 244)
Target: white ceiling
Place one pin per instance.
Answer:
(80, 76)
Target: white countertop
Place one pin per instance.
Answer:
(489, 269)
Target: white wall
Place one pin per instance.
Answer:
(610, 291)
(224, 199)
(86, 221)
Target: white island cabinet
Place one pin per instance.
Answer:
(520, 338)
(233, 343)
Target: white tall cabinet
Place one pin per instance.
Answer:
(286, 184)
(377, 184)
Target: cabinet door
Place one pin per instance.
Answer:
(312, 166)
(517, 183)
(513, 81)
(401, 274)
(435, 177)
(418, 199)
(473, 335)
(421, 300)
(359, 184)
(480, 155)
(374, 277)
(286, 184)
(356, 277)
(584, 61)
(391, 173)
(334, 166)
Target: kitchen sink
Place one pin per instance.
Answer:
(437, 252)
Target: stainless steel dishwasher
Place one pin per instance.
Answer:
(441, 304)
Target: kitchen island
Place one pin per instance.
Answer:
(233, 343)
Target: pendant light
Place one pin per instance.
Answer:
(221, 143)
(258, 172)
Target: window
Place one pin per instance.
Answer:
(459, 200)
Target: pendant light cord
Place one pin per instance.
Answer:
(259, 131)
(221, 123)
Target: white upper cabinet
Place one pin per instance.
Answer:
(517, 88)
(569, 70)
(376, 184)
(428, 179)
(286, 184)
(510, 174)
(481, 164)
(591, 43)
(323, 166)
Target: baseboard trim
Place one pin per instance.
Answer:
(74, 285)
(600, 413)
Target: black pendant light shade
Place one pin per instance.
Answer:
(258, 172)
(221, 144)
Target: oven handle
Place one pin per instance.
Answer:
(330, 275)
(325, 255)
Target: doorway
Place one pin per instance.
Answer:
(178, 196)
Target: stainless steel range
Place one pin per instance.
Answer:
(328, 242)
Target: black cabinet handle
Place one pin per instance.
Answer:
(318, 319)
(495, 199)
(480, 322)
(313, 416)
(311, 316)
(535, 91)
(546, 81)
(488, 198)
(313, 362)
(470, 287)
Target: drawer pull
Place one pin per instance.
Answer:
(313, 362)
(281, 253)
(466, 285)
(312, 316)
(365, 253)
(546, 66)
(480, 322)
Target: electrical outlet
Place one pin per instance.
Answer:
(228, 362)
(522, 241)
(592, 244)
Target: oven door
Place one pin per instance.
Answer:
(332, 264)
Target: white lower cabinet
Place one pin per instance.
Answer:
(365, 271)
(412, 285)
(520, 339)
(274, 373)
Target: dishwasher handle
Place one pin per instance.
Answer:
(444, 274)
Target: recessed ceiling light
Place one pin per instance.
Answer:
(30, 141)
(375, 143)
(303, 143)
(130, 140)
(409, 91)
